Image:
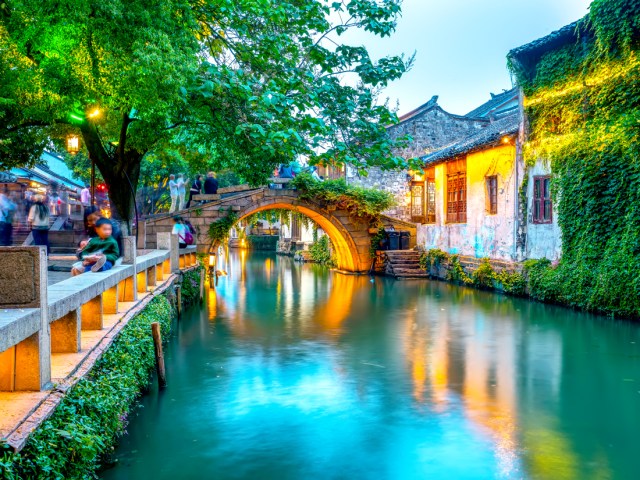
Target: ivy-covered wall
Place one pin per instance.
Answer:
(582, 101)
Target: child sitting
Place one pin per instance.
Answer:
(100, 253)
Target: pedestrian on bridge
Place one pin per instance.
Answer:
(173, 192)
(211, 184)
(182, 190)
(196, 189)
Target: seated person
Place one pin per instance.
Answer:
(91, 216)
(100, 253)
(184, 235)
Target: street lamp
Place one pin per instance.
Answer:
(73, 144)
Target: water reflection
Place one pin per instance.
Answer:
(309, 374)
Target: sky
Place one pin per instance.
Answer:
(461, 46)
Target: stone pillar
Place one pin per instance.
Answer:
(127, 290)
(142, 235)
(65, 333)
(129, 254)
(110, 300)
(23, 283)
(128, 287)
(141, 281)
(91, 314)
(168, 241)
(151, 276)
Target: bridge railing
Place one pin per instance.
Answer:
(38, 321)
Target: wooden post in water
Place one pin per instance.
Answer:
(201, 284)
(179, 299)
(157, 344)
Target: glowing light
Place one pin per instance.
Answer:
(212, 259)
(73, 144)
(95, 113)
(243, 243)
(506, 140)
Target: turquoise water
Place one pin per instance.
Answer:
(294, 372)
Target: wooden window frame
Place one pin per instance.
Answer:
(418, 216)
(430, 213)
(457, 197)
(491, 186)
(542, 208)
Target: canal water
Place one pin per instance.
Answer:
(293, 372)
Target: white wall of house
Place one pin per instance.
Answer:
(543, 240)
(483, 234)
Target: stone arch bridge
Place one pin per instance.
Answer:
(351, 238)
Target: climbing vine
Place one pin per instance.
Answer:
(361, 203)
(583, 105)
(219, 230)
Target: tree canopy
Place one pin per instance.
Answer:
(245, 84)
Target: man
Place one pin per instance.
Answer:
(173, 191)
(7, 210)
(85, 196)
(211, 184)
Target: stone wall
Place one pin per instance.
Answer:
(431, 128)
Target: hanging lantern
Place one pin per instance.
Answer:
(212, 260)
(73, 144)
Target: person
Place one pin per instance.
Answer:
(85, 196)
(314, 174)
(173, 192)
(91, 216)
(38, 220)
(285, 171)
(182, 192)
(211, 184)
(7, 210)
(100, 253)
(180, 229)
(54, 204)
(196, 188)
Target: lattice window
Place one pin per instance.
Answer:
(542, 208)
(431, 201)
(457, 197)
(417, 202)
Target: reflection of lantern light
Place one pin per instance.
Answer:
(73, 144)
(243, 244)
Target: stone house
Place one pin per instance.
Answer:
(431, 128)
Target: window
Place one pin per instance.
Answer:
(423, 201)
(542, 210)
(492, 194)
(457, 191)
(431, 200)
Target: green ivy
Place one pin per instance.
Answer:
(583, 105)
(219, 230)
(321, 251)
(361, 203)
(433, 258)
(190, 285)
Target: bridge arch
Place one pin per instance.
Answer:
(350, 238)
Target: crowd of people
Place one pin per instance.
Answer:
(178, 192)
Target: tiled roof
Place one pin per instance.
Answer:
(490, 134)
(422, 108)
(495, 102)
(6, 177)
(566, 33)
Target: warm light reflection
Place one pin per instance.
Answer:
(212, 303)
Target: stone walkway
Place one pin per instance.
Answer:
(57, 263)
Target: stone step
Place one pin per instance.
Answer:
(403, 271)
(412, 275)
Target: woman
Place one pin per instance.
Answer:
(180, 229)
(196, 188)
(38, 220)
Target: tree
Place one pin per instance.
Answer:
(251, 84)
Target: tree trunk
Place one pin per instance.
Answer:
(120, 170)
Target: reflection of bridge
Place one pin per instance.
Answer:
(350, 237)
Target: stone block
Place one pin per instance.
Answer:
(142, 235)
(129, 247)
(7, 370)
(127, 290)
(65, 333)
(31, 373)
(110, 300)
(151, 276)
(22, 269)
(168, 241)
(141, 281)
(91, 314)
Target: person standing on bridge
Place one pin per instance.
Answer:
(196, 188)
(211, 184)
(182, 190)
(173, 192)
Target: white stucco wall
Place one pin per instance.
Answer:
(543, 240)
(483, 235)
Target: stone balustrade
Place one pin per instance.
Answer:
(37, 321)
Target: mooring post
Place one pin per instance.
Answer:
(179, 299)
(201, 284)
(157, 344)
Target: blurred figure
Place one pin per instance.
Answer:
(182, 191)
(85, 196)
(7, 211)
(196, 188)
(54, 204)
(39, 222)
(211, 184)
(173, 191)
(91, 216)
